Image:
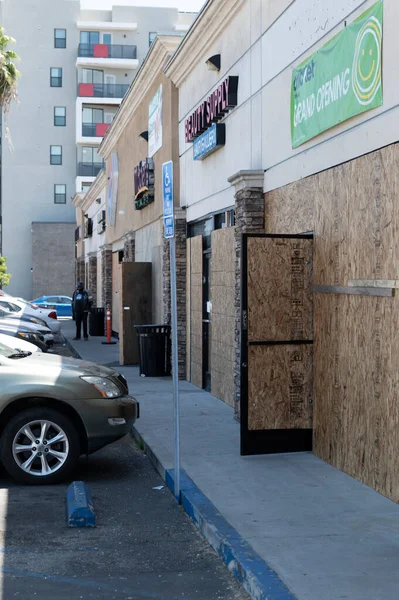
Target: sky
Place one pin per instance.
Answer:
(185, 5)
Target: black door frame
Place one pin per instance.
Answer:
(268, 441)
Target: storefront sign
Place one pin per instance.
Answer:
(212, 109)
(155, 123)
(339, 81)
(144, 183)
(209, 141)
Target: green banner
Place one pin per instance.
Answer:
(339, 81)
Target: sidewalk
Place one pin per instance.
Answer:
(327, 536)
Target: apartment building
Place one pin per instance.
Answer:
(76, 66)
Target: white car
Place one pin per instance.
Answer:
(16, 322)
(20, 305)
(16, 344)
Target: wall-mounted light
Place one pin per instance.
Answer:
(86, 215)
(213, 63)
(144, 135)
(98, 200)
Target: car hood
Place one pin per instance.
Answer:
(19, 323)
(62, 363)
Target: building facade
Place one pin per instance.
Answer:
(287, 129)
(141, 138)
(294, 321)
(76, 67)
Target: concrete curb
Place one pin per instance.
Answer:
(258, 579)
(72, 348)
(79, 504)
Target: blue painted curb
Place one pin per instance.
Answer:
(260, 581)
(79, 503)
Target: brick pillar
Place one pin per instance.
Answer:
(106, 276)
(80, 269)
(129, 248)
(250, 218)
(181, 269)
(92, 283)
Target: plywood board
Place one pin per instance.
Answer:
(195, 291)
(280, 387)
(136, 308)
(290, 210)
(222, 295)
(279, 289)
(356, 347)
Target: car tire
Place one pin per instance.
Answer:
(44, 461)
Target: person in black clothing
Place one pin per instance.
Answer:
(81, 304)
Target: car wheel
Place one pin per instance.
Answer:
(39, 446)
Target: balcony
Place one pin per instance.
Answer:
(115, 56)
(107, 51)
(86, 169)
(102, 90)
(95, 129)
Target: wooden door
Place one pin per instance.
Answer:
(276, 344)
(135, 308)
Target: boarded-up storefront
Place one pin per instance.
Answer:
(352, 210)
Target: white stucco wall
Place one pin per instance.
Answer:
(262, 44)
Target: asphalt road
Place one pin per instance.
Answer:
(144, 546)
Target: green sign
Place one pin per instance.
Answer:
(339, 81)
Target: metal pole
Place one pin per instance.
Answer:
(175, 365)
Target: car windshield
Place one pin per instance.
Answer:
(12, 353)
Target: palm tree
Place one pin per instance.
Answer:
(8, 72)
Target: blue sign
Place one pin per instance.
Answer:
(169, 227)
(212, 139)
(167, 188)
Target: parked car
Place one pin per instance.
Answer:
(62, 304)
(27, 308)
(11, 313)
(22, 333)
(15, 321)
(54, 409)
(18, 344)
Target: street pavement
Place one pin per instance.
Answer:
(326, 535)
(144, 546)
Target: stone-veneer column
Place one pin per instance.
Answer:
(80, 269)
(129, 248)
(92, 283)
(250, 218)
(106, 276)
(181, 269)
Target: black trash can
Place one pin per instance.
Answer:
(97, 322)
(154, 350)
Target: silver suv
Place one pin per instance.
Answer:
(54, 409)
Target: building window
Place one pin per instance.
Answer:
(59, 38)
(55, 155)
(92, 76)
(107, 38)
(89, 37)
(85, 187)
(55, 77)
(93, 115)
(151, 37)
(60, 193)
(59, 116)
